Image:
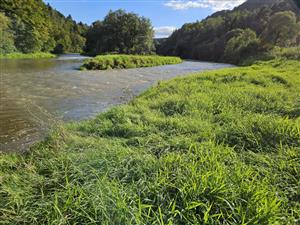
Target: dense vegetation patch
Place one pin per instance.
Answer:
(290, 53)
(29, 26)
(18, 55)
(286, 53)
(104, 62)
(120, 32)
(250, 30)
(219, 147)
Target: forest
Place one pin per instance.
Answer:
(37, 27)
(250, 30)
(32, 26)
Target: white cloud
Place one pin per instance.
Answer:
(162, 32)
(215, 5)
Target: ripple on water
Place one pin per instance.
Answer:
(22, 123)
(35, 94)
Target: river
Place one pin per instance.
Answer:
(35, 94)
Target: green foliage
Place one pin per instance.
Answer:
(120, 32)
(274, 22)
(27, 38)
(282, 29)
(104, 62)
(36, 27)
(18, 55)
(6, 37)
(291, 53)
(286, 53)
(220, 147)
(241, 46)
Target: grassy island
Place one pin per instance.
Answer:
(104, 62)
(18, 55)
(220, 147)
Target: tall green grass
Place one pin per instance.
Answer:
(104, 62)
(18, 55)
(219, 147)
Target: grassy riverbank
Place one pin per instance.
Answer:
(36, 55)
(219, 147)
(104, 62)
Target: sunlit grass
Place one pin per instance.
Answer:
(219, 147)
(18, 55)
(104, 62)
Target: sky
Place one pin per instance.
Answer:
(165, 15)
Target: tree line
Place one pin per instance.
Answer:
(249, 30)
(31, 26)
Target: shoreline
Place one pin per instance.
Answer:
(120, 86)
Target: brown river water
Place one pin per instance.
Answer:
(36, 94)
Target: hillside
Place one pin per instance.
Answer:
(252, 28)
(31, 26)
(274, 4)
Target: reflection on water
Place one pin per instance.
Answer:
(36, 93)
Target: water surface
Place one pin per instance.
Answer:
(35, 94)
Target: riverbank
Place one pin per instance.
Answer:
(104, 62)
(18, 55)
(56, 89)
(216, 147)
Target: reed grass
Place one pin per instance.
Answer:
(105, 62)
(219, 147)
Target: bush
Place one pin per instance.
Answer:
(292, 53)
(241, 46)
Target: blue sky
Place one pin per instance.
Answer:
(166, 15)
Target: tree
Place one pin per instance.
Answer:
(35, 26)
(207, 40)
(94, 38)
(298, 3)
(282, 29)
(242, 45)
(6, 37)
(120, 32)
(26, 37)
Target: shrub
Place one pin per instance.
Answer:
(241, 46)
(286, 53)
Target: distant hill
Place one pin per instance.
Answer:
(253, 27)
(34, 26)
(276, 5)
